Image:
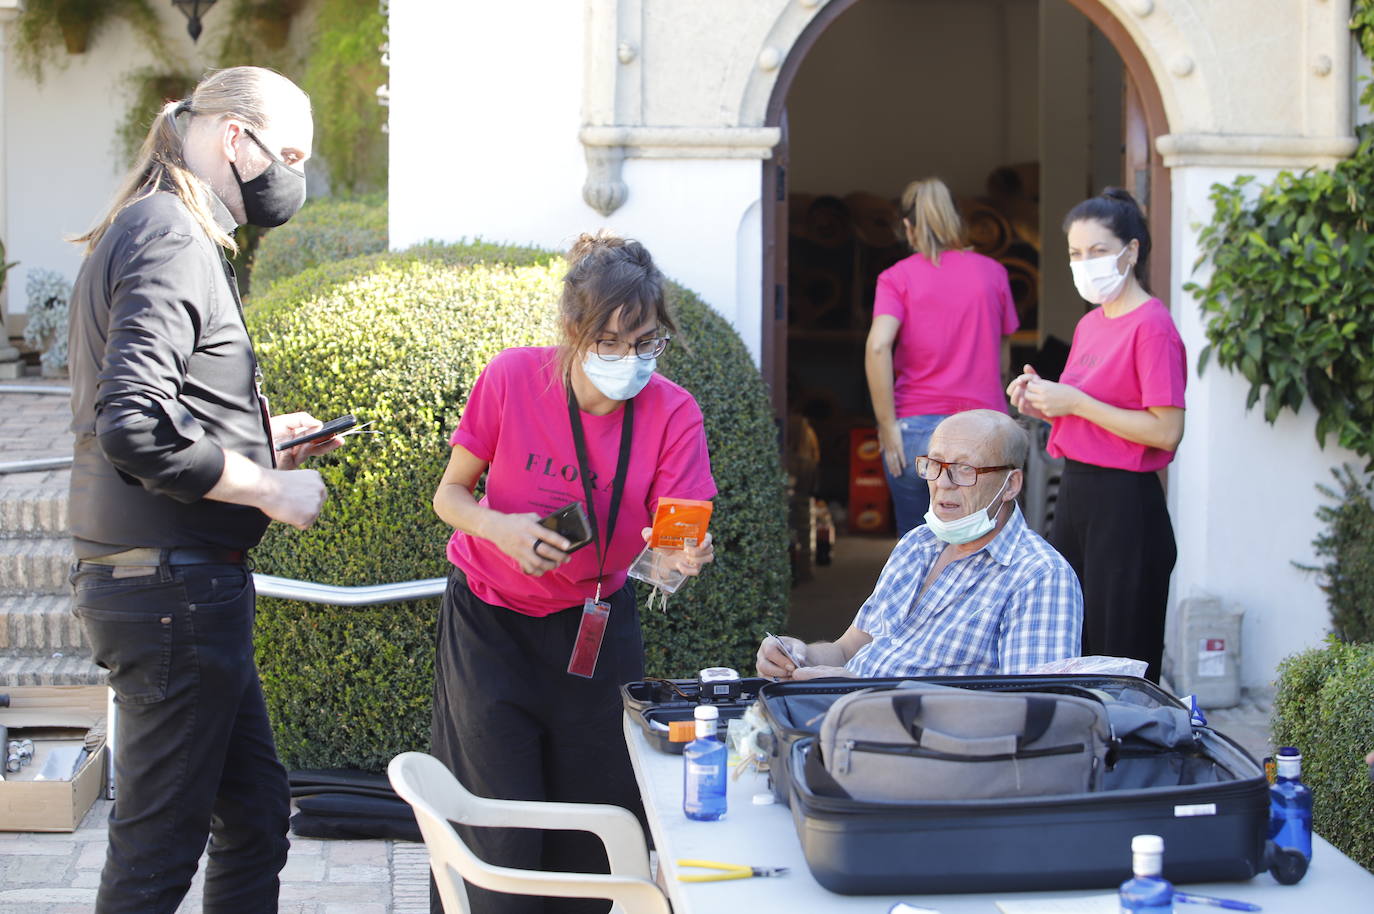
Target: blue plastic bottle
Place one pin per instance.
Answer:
(1147, 892)
(1290, 805)
(703, 769)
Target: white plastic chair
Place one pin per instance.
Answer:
(438, 799)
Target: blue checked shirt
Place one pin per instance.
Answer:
(1012, 605)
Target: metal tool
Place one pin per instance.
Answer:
(727, 871)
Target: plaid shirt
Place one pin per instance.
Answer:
(1012, 605)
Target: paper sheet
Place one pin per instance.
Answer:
(1093, 904)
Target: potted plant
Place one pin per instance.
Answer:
(47, 25)
(151, 88)
(4, 267)
(49, 297)
(272, 19)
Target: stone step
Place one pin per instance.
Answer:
(37, 565)
(28, 511)
(40, 623)
(41, 669)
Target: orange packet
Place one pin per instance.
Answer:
(679, 523)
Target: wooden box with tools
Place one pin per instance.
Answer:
(54, 788)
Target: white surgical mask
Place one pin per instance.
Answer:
(1098, 280)
(621, 379)
(968, 528)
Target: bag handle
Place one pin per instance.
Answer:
(1039, 716)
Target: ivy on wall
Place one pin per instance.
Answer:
(1288, 303)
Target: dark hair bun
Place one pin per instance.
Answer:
(1121, 195)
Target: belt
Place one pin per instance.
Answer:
(180, 555)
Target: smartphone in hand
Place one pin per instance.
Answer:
(328, 430)
(571, 523)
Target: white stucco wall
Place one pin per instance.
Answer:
(1242, 492)
(510, 167)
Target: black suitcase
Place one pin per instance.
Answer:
(1213, 831)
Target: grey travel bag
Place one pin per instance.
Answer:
(906, 745)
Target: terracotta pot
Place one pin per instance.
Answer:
(76, 31)
(273, 29)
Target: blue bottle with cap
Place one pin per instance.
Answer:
(703, 769)
(1290, 805)
(1147, 892)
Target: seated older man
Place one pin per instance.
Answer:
(973, 591)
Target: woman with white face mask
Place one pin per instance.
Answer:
(1117, 417)
(519, 713)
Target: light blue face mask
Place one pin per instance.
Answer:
(621, 379)
(968, 528)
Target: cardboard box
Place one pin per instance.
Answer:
(51, 715)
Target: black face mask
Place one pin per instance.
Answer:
(273, 196)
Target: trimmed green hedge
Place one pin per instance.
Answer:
(329, 229)
(399, 339)
(1325, 707)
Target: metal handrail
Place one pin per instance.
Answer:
(35, 465)
(35, 389)
(268, 585)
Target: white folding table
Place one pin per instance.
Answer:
(764, 836)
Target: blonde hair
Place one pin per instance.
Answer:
(934, 225)
(242, 93)
(606, 273)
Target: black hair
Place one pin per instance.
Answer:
(1116, 209)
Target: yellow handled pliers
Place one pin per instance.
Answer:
(728, 871)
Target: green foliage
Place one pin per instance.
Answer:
(1362, 24)
(342, 76)
(1287, 302)
(5, 265)
(1347, 544)
(150, 88)
(324, 230)
(1325, 707)
(48, 30)
(399, 338)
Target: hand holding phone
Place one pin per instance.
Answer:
(328, 430)
(571, 523)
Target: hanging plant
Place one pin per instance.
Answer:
(342, 76)
(48, 31)
(151, 88)
(256, 33)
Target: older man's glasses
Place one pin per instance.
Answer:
(615, 350)
(961, 474)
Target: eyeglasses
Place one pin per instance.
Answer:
(961, 474)
(615, 350)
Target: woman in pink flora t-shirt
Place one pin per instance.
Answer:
(935, 347)
(518, 714)
(1117, 415)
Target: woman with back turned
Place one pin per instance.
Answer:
(1117, 417)
(518, 714)
(935, 347)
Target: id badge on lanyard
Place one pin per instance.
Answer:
(596, 612)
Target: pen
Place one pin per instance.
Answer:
(1226, 903)
(783, 645)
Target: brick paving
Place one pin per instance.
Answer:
(59, 873)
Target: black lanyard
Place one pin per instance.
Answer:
(622, 469)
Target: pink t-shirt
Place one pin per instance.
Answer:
(948, 353)
(1134, 362)
(517, 420)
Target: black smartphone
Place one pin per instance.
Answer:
(570, 522)
(328, 430)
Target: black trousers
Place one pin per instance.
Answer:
(194, 755)
(512, 723)
(1113, 528)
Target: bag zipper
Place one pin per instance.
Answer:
(850, 746)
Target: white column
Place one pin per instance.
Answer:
(10, 366)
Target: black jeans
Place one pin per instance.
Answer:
(1113, 527)
(193, 748)
(512, 723)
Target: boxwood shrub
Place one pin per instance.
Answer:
(399, 338)
(1325, 707)
(325, 230)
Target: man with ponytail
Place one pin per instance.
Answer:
(174, 479)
